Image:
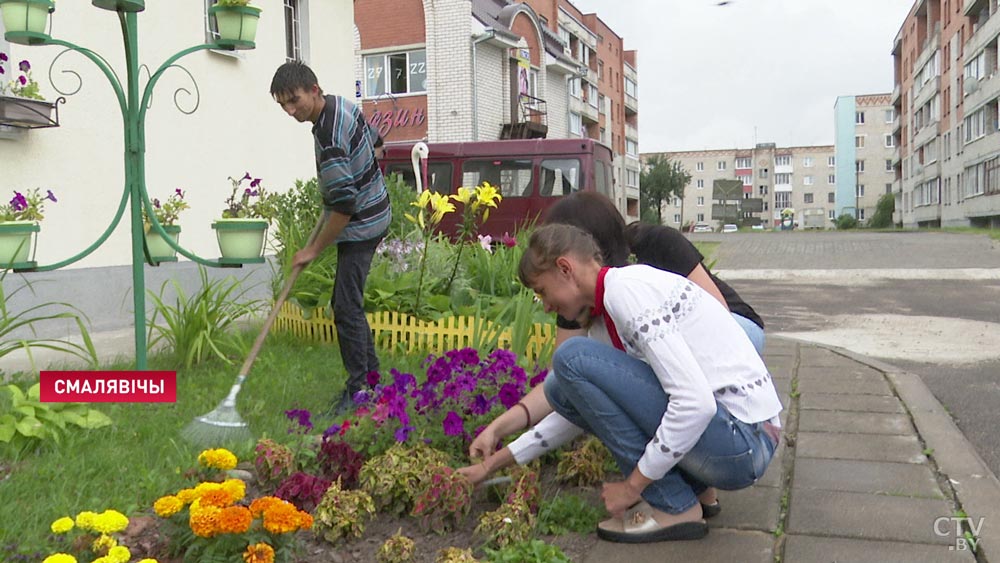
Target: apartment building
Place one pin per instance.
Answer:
(474, 70)
(772, 179)
(946, 95)
(866, 153)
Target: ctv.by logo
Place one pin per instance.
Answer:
(966, 531)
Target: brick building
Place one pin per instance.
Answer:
(475, 70)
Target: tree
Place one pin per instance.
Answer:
(882, 218)
(660, 181)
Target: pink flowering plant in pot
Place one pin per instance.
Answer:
(245, 219)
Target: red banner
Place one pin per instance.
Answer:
(108, 387)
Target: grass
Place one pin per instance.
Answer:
(140, 457)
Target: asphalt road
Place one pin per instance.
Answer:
(938, 308)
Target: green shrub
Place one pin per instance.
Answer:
(846, 221)
(401, 195)
(568, 513)
(882, 218)
(533, 551)
(28, 422)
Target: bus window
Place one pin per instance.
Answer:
(511, 177)
(438, 175)
(601, 183)
(560, 177)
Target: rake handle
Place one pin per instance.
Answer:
(294, 275)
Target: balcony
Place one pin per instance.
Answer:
(631, 132)
(896, 124)
(533, 122)
(586, 111)
(896, 93)
(973, 7)
(982, 35)
(925, 134)
(980, 92)
(927, 91)
(631, 105)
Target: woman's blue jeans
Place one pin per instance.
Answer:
(619, 399)
(754, 332)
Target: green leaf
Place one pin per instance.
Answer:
(31, 427)
(6, 428)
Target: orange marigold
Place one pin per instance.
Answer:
(167, 506)
(259, 506)
(234, 520)
(204, 520)
(259, 553)
(281, 518)
(219, 498)
(305, 521)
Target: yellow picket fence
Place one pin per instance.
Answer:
(402, 332)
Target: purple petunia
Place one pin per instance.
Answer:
(254, 183)
(332, 431)
(509, 394)
(18, 202)
(3, 57)
(301, 416)
(24, 65)
(361, 397)
(539, 378)
(402, 434)
(51, 196)
(156, 203)
(179, 193)
(372, 378)
(22, 80)
(452, 424)
(246, 176)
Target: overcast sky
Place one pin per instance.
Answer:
(714, 77)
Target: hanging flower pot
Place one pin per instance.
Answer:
(241, 241)
(17, 243)
(26, 20)
(237, 25)
(159, 249)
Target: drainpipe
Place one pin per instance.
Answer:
(488, 33)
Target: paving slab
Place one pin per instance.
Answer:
(854, 422)
(866, 516)
(844, 369)
(873, 447)
(780, 367)
(812, 549)
(845, 386)
(719, 545)
(845, 402)
(753, 508)
(815, 356)
(879, 477)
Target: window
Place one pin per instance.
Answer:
(677, 218)
(396, 73)
(701, 183)
(859, 117)
(512, 176)
(807, 198)
(575, 124)
(631, 148)
(762, 190)
(782, 200)
(438, 175)
(574, 87)
(784, 160)
(630, 88)
(677, 202)
(888, 188)
(889, 142)
(600, 103)
(782, 179)
(744, 163)
(859, 166)
(293, 30)
(560, 177)
(592, 95)
(861, 213)
(860, 192)
(762, 173)
(747, 180)
(807, 180)
(604, 135)
(831, 161)
(700, 167)
(766, 207)
(831, 214)
(700, 217)
(701, 201)
(859, 141)
(721, 165)
(888, 165)
(631, 178)
(831, 179)
(830, 198)
(807, 162)
(890, 115)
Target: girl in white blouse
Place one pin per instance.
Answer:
(666, 379)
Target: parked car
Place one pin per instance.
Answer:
(701, 228)
(758, 227)
(730, 228)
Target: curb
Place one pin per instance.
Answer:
(975, 486)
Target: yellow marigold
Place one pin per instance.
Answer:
(110, 521)
(202, 488)
(235, 520)
(260, 505)
(281, 518)
(148, 560)
(236, 488)
(60, 558)
(259, 553)
(204, 521)
(218, 497)
(119, 554)
(167, 506)
(187, 495)
(104, 559)
(62, 525)
(103, 543)
(85, 520)
(217, 459)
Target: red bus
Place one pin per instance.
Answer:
(530, 174)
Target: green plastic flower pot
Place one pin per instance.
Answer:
(16, 242)
(26, 20)
(241, 240)
(237, 25)
(159, 250)
(121, 5)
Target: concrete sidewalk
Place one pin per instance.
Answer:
(871, 469)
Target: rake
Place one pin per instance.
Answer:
(224, 424)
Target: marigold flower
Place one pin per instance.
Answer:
(236, 488)
(259, 553)
(281, 518)
(305, 521)
(60, 558)
(220, 458)
(148, 560)
(103, 544)
(62, 525)
(218, 497)
(109, 522)
(262, 504)
(204, 521)
(234, 520)
(187, 496)
(119, 554)
(203, 488)
(85, 520)
(167, 506)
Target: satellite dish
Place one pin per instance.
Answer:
(971, 85)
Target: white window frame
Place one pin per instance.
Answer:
(783, 160)
(807, 180)
(859, 118)
(700, 201)
(700, 183)
(807, 162)
(890, 142)
(577, 127)
(782, 178)
(365, 58)
(859, 141)
(831, 179)
(631, 147)
(831, 161)
(720, 165)
(294, 45)
(744, 162)
(700, 167)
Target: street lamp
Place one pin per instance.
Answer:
(26, 23)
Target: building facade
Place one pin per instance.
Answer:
(946, 95)
(771, 180)
(476, 70)
(866, 153)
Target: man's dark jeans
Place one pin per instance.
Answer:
(357, 347)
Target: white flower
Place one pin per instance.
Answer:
(486, 241)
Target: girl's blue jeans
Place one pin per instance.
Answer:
(619, 399)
